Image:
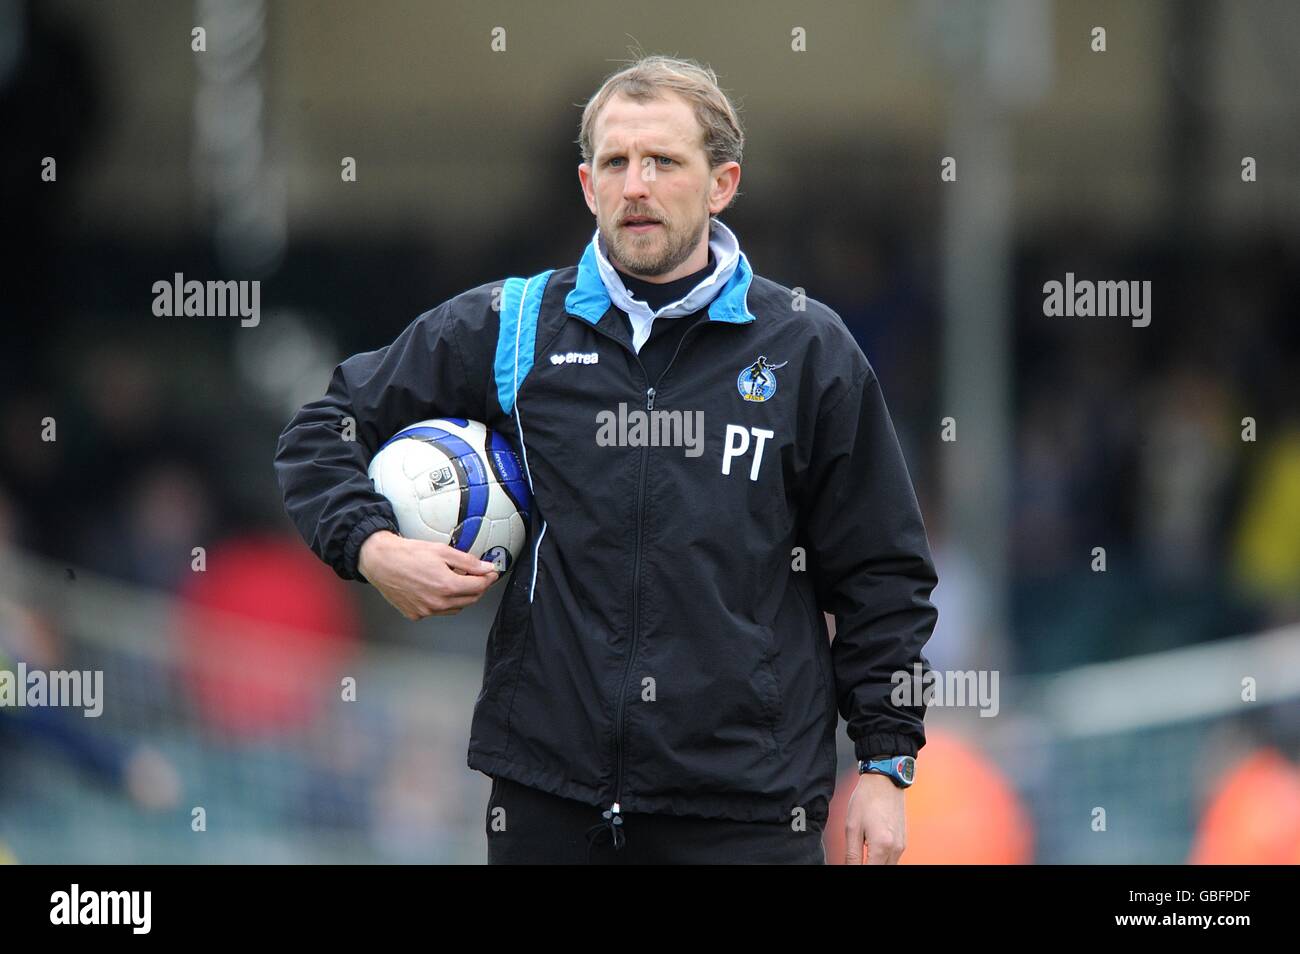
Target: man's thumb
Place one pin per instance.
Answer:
(466, 562)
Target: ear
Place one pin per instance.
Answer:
(588, 186)
(723, 185)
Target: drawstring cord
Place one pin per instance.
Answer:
(612, 825)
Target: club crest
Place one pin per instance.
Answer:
(758, 381)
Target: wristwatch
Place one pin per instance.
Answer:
(901, 769)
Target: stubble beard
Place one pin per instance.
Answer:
(644, 255)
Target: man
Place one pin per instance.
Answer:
(659, 685)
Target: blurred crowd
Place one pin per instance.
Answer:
(1176, 447)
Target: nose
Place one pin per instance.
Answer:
(634, 182)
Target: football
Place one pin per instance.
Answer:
(453, 481)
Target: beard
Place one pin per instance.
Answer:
(657, 252)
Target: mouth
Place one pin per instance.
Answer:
(640, 223)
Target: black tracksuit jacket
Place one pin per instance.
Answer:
(660, 644)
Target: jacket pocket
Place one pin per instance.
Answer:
(713, 723)
(769, 691)
(505, 641)
(506, 645)
(821, 652)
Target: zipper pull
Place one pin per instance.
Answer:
(611, 815)
(649, 406)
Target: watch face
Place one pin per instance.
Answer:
(907, 768)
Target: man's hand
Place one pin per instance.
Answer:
(875, 816)
(421, 578)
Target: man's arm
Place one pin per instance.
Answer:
(872, 565)
(439, 366)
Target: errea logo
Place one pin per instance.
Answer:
(576, 357)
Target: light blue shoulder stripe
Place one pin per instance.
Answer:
(521, 301)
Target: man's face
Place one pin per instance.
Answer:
(651, 188)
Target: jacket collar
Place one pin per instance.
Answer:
(725, 291)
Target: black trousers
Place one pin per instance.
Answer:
(528, 826)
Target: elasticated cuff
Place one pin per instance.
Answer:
(886, 743)
(352, 549)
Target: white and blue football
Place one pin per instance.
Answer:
(453, 481)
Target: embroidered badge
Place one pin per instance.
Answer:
(758, 381)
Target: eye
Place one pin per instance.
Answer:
(613, 159)
(665, 160)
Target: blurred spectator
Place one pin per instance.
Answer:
(956, 642)
(267, 632)
(140, 770)
(1186, 456)
(1253, 818)
(150, 539)
(1266, 545)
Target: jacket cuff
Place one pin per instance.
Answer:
(890, 743)
(352, 548)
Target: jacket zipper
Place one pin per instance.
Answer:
(613, 813)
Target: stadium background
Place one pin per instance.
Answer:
(1119, 690)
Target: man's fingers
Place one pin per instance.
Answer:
(445, 607)
(465, 562)
(853, 845)
(459, 602)
(430, 579)
(883, 849)
(463, 585)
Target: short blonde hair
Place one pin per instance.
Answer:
(651, 77)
